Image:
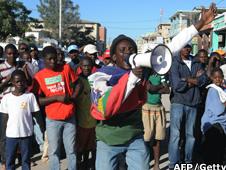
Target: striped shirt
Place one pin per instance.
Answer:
(5, 70)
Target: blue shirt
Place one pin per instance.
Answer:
(214, 111)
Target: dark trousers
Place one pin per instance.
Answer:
(11, 149)
(214, 145)
(3, 123)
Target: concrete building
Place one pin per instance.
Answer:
(183, 19)
(164, 32)
(149, 40)
(219, 32)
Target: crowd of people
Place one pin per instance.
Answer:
(103, 112)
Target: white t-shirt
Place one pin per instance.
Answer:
(188, 63)
(19, 109)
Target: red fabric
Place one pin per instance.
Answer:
(52, 83)
(115, 104)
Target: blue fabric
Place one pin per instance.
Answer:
(38, 132)
(181, 92)
(214, 111)
(137, 155)
(73, 65)
(115, 72)
(11, 150)
(177, 112)
(56, 131)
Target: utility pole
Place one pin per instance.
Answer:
(60, 21)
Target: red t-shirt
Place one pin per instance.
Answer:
(52, 83)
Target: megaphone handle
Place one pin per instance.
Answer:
(146, 73)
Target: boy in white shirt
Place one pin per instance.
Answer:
(19, 105)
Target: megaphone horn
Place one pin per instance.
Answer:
(159, 59)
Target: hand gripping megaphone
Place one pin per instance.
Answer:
(159, 59)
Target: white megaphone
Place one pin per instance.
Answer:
(159, 59)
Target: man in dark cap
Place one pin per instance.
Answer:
(118, 94)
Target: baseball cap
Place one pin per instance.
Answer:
(220, 51)
(106, 54)
(72, 47)
(90, 48)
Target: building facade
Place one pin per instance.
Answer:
(219, 32)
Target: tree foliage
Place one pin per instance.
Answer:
(14, 18)
(49, 12)
(71, 32)
(79, 36)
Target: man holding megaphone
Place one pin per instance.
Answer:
(118, 94)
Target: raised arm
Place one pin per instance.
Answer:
(181, 39)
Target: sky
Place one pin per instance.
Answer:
(133, 18)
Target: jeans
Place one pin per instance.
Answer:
(3, 124)
(56, 131)
(136, 153)
(177, 112)
(38, 132)
(11, 150)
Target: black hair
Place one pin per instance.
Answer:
(87, 59)
(22, 43)
(119, 39)
(1, 49)
(217, 70)
(187, 46)
(10, 46)
(202, 51)
(18, 73)
(49, 50)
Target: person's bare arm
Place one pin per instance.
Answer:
(207, 16)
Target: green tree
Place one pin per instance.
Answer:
(79, 36)
(14, 18)
(49, 12)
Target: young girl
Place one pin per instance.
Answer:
(214, 120)
(19, 105)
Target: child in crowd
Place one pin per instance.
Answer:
(6, 69)
(86, 140)
(214, 121)
(215, 61)
(153, 114)
(26, 59)
(19, 128)
(55, 87)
